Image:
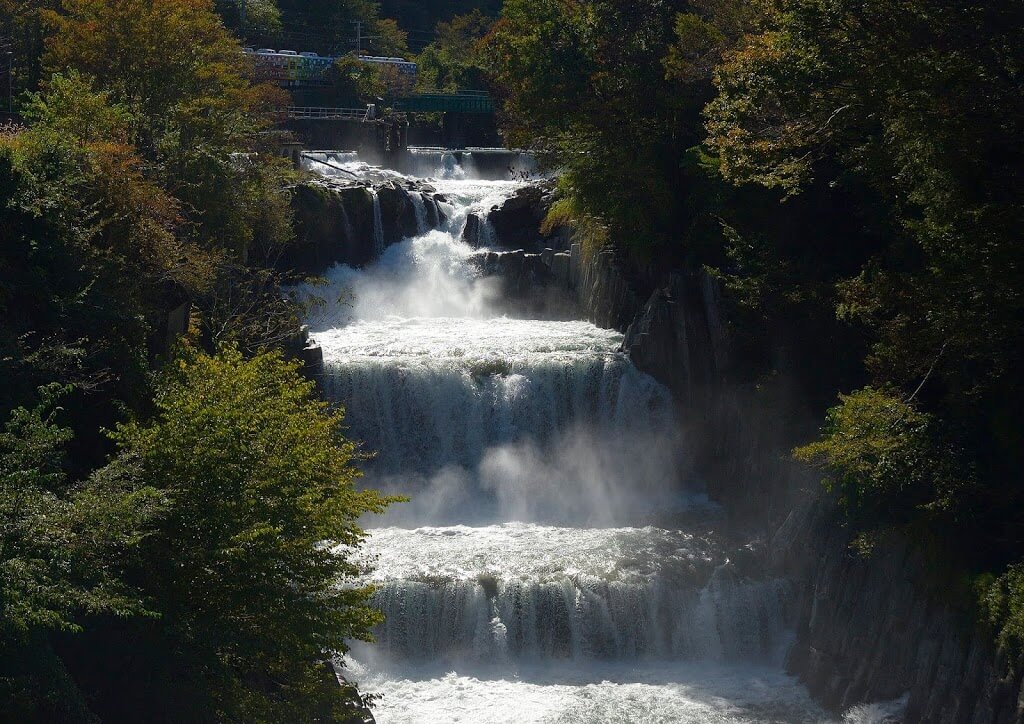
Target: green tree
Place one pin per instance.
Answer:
(1002, 605)
(263, 15)
(354, 81)
(454, 61)
(583, 83)
(918, 103)
(425, 14)
(884, 460)
(250, 566)
(184, 80)
(390, 40)
(329, 21)
(62, 550)
(89, 247)
(922, 98)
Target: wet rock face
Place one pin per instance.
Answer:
(533, 284)
(523, 273)
(332, 225)
(874, 629)
(435, 217)
(516, 223)
(870, 629)
(678, 338)
(607, 296)
(397, 213)
(472, 233)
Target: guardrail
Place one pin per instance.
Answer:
(314, 113)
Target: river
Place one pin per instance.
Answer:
(557, 562)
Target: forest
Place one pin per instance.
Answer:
(166, 479)
(851, 171)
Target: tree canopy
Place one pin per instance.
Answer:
(851, 171)
(143, 204)
(256, 477)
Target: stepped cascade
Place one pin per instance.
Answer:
(556, 562)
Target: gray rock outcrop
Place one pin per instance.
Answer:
(878, 628)
(334, 222)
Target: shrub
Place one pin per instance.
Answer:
(1002, 606)
(884, 459)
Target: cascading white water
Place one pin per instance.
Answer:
(520, 591)
(330, 163)
(542, 571)
(486, 236)
(469, 165)
(420, 207)
(436, 163)
(378, 223)
(346, 221)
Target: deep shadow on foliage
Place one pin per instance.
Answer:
(852, 172)
(163, 506)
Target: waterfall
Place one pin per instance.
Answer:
(495, 419)
(524, 166)
(580, 620)
(457, 595)
(469, 165)
(346, 222)
(437, 163)
(449, 167)
(556, 552)
(420, 207)
(488, 237)
(329, 163)
(378, 223)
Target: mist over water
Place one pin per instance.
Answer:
(501, 419)
(549, 556)
(424, 277)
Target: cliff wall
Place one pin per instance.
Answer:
(870, 629)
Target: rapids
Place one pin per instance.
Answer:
(557, 562)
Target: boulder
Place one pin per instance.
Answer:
(471, 232)
(398, 213)
(333, 224)
(522, 273)
(517, 221)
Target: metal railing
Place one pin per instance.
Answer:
(334, 114)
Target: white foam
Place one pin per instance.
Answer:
(654, 693)
(515, 592)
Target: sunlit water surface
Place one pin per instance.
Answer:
(537, 575)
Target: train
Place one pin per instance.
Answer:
(290, 68)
